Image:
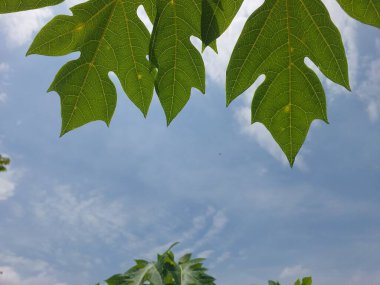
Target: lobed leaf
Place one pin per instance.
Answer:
(275, 42)
(110, 37)
(366, 11)
(180, 65)
(9, 6)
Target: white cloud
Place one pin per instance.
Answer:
(20, 27)
(4, 70)
(368, 90)
(219, 221)
(7, 185)
(204, 229)
(205, 253)
(3, 97)
(4, 67)
(16, 270)
(294, 272)
(82, 216)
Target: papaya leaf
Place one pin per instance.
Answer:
(275, 42)
(110, 37)
(366, 11)
(9, 6)
(180, 65)
(143, 271)
(165, 271)
(217, 15)
(191, 272)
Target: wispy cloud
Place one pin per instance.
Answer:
(82, 217)
(7, 185)
(4, 70)
(294, 272)
(368, 90)
(19, 28)
(205, 228)
(17, 270)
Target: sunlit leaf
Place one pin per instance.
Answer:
(366, 11)
(180, 65)
(110, 37)
(8, 6)
(275, 42)
(217, 15)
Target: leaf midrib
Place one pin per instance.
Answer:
(290, 62)
(91, 65)
(70, 31)
(134, 59)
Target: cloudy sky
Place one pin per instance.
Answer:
(77, 209)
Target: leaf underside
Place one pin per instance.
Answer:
(8, 6)
(275, 42)
(180, 65)
(366, 11)
(110, 37)
(217, 15)
(165, 270)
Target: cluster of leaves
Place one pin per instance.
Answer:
(4, 161)
(275, 41)
(167, 271)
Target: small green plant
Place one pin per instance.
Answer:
(4, 161)
(167, 271)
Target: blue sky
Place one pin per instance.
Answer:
(77, 209)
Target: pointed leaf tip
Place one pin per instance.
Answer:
(110, 37)
(291, 96)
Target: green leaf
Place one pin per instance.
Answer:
(307, 281)
(217, 15)
(8, 6)
(4, 161)
(366, 11)
(275, 42)
(117, 279)
(110, 37)
(191, 272)
(273, 283)
(180, 65)
(142, 272)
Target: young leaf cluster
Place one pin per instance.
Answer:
(167, 271)
(275, 41)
